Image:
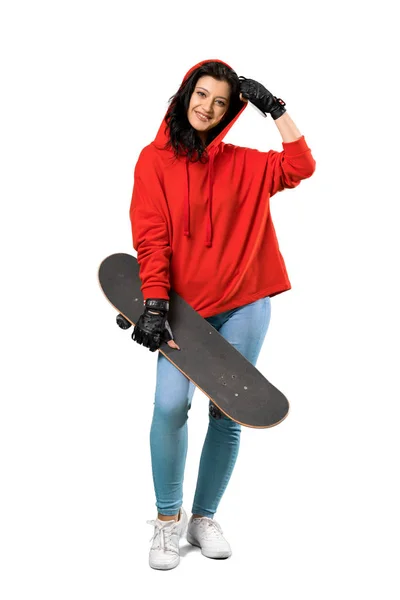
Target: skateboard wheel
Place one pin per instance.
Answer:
(122, 322)
(214, 411)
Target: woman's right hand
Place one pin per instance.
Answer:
(152, 327)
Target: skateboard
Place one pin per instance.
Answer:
(234, 386)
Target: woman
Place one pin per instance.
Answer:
(201, 225)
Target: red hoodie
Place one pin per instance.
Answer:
(205, 229)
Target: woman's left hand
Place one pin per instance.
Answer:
(257, 94)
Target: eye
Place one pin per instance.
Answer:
(222, 103)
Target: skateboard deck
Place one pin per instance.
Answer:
(205, 357)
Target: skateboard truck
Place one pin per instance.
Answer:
(122, 322)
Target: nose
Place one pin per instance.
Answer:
(207, 107)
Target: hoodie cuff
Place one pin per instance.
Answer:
(155, 292)
(297, 147)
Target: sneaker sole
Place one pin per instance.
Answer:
(164, 567)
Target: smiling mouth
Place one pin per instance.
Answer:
(202, 117)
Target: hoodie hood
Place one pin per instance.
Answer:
(213, 148)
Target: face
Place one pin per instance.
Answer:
(210, 98)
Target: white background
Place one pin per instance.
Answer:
(312, 507)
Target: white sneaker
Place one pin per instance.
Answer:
(164, 552)
(207, 534)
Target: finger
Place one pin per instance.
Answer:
(172, 344)
(167, 333)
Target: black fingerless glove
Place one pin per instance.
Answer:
(258, 95)
(152, 327)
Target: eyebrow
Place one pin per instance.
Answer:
(201, 88)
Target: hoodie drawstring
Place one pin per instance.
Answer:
(186, 207)
(209, 230)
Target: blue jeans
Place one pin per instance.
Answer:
(245, 328)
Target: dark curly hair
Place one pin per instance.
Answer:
(183, 137)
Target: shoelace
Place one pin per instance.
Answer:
(161, 539)
(211, 528)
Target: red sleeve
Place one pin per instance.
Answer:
(150, 234)
(287, 168)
